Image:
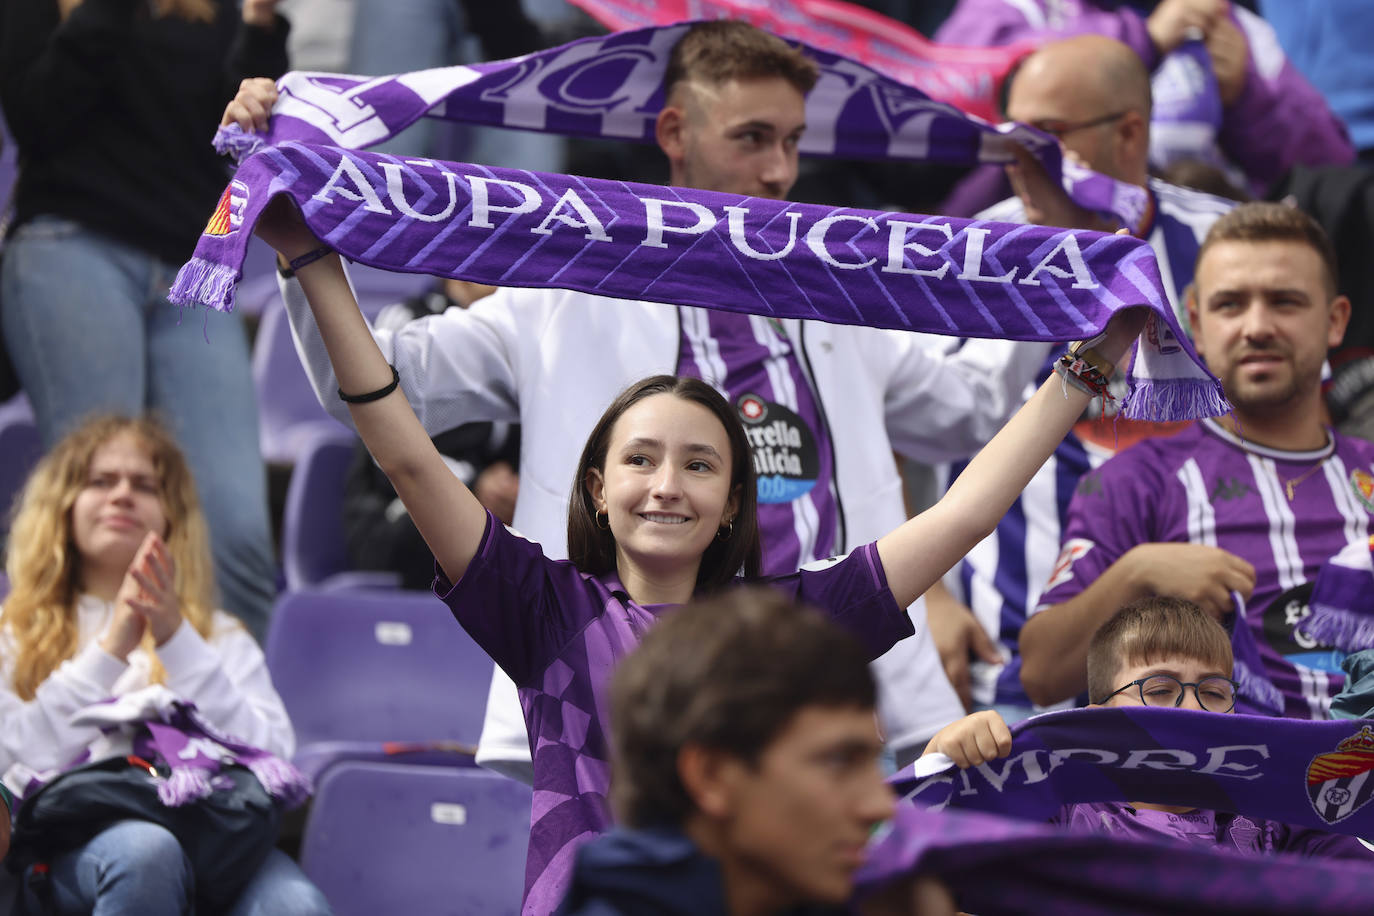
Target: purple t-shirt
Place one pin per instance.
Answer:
(558, 633)
(749, 360)
(1286, 513)
(1210, 829)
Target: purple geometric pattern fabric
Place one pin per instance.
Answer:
(1210, 830)
(996, 865)
(558, 633)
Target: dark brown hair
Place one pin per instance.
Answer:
(1153, 629)
(726, 674)
(1262, 221)
(729, 49)
(592, 548)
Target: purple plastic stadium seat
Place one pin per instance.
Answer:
(288, 412)
(314, 552)
(377, 675)
(20, 450)
(389, 838)
(9, 165)
(287, 406)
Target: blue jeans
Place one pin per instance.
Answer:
(396, 36)
(136, 867)
(89, 329)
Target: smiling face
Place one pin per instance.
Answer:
(119, 504)
(1263, 319)
(738, 136)
(666, 487)
(795, 824)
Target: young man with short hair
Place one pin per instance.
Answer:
(745, 767)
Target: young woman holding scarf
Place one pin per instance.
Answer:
(663, 509)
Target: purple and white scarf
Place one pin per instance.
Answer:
(783, 260)
(1256, 693)
(681, 246)
(1304, 773)
(611, 87)
(1343, 598)
(153, 725)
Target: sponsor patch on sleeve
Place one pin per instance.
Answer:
(1074, 549)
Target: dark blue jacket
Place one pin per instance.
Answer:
(652, 872)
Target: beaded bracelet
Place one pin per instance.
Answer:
(1086, 369)
(1069, 377)
(372, 395)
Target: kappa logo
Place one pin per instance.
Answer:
(1074, 550)
(1362, 482)
(1227, 489)
(1340, 782)
(228, 215)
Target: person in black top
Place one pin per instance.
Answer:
(113, 104)
(377, 527)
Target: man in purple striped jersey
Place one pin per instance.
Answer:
(1247, 506)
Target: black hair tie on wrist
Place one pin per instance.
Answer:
(373, 395)
(310, 257)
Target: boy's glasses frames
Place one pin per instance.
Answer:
(1214, 694)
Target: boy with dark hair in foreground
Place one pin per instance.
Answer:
(745, 769)
(1159, 651)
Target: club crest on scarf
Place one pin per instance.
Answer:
(228, 215)
(1340, 782)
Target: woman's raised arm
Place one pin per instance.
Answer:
(449, 517)
(923, 549)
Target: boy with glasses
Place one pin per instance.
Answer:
(1158, 651)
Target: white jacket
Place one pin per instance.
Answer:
(226, 677)
(553, 360)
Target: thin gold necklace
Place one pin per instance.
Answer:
(1290, 484)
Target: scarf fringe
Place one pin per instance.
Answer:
(282, 781)
(233, 141)
(1257, 687)
(1168, 400)
(206, 282)
(183, 785)
(1340, 628)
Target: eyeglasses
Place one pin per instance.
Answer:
(1061, 129)
(1214, 694)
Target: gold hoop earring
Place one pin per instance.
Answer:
(603, 521)
(725, 533)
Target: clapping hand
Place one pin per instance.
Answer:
(146, 599)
